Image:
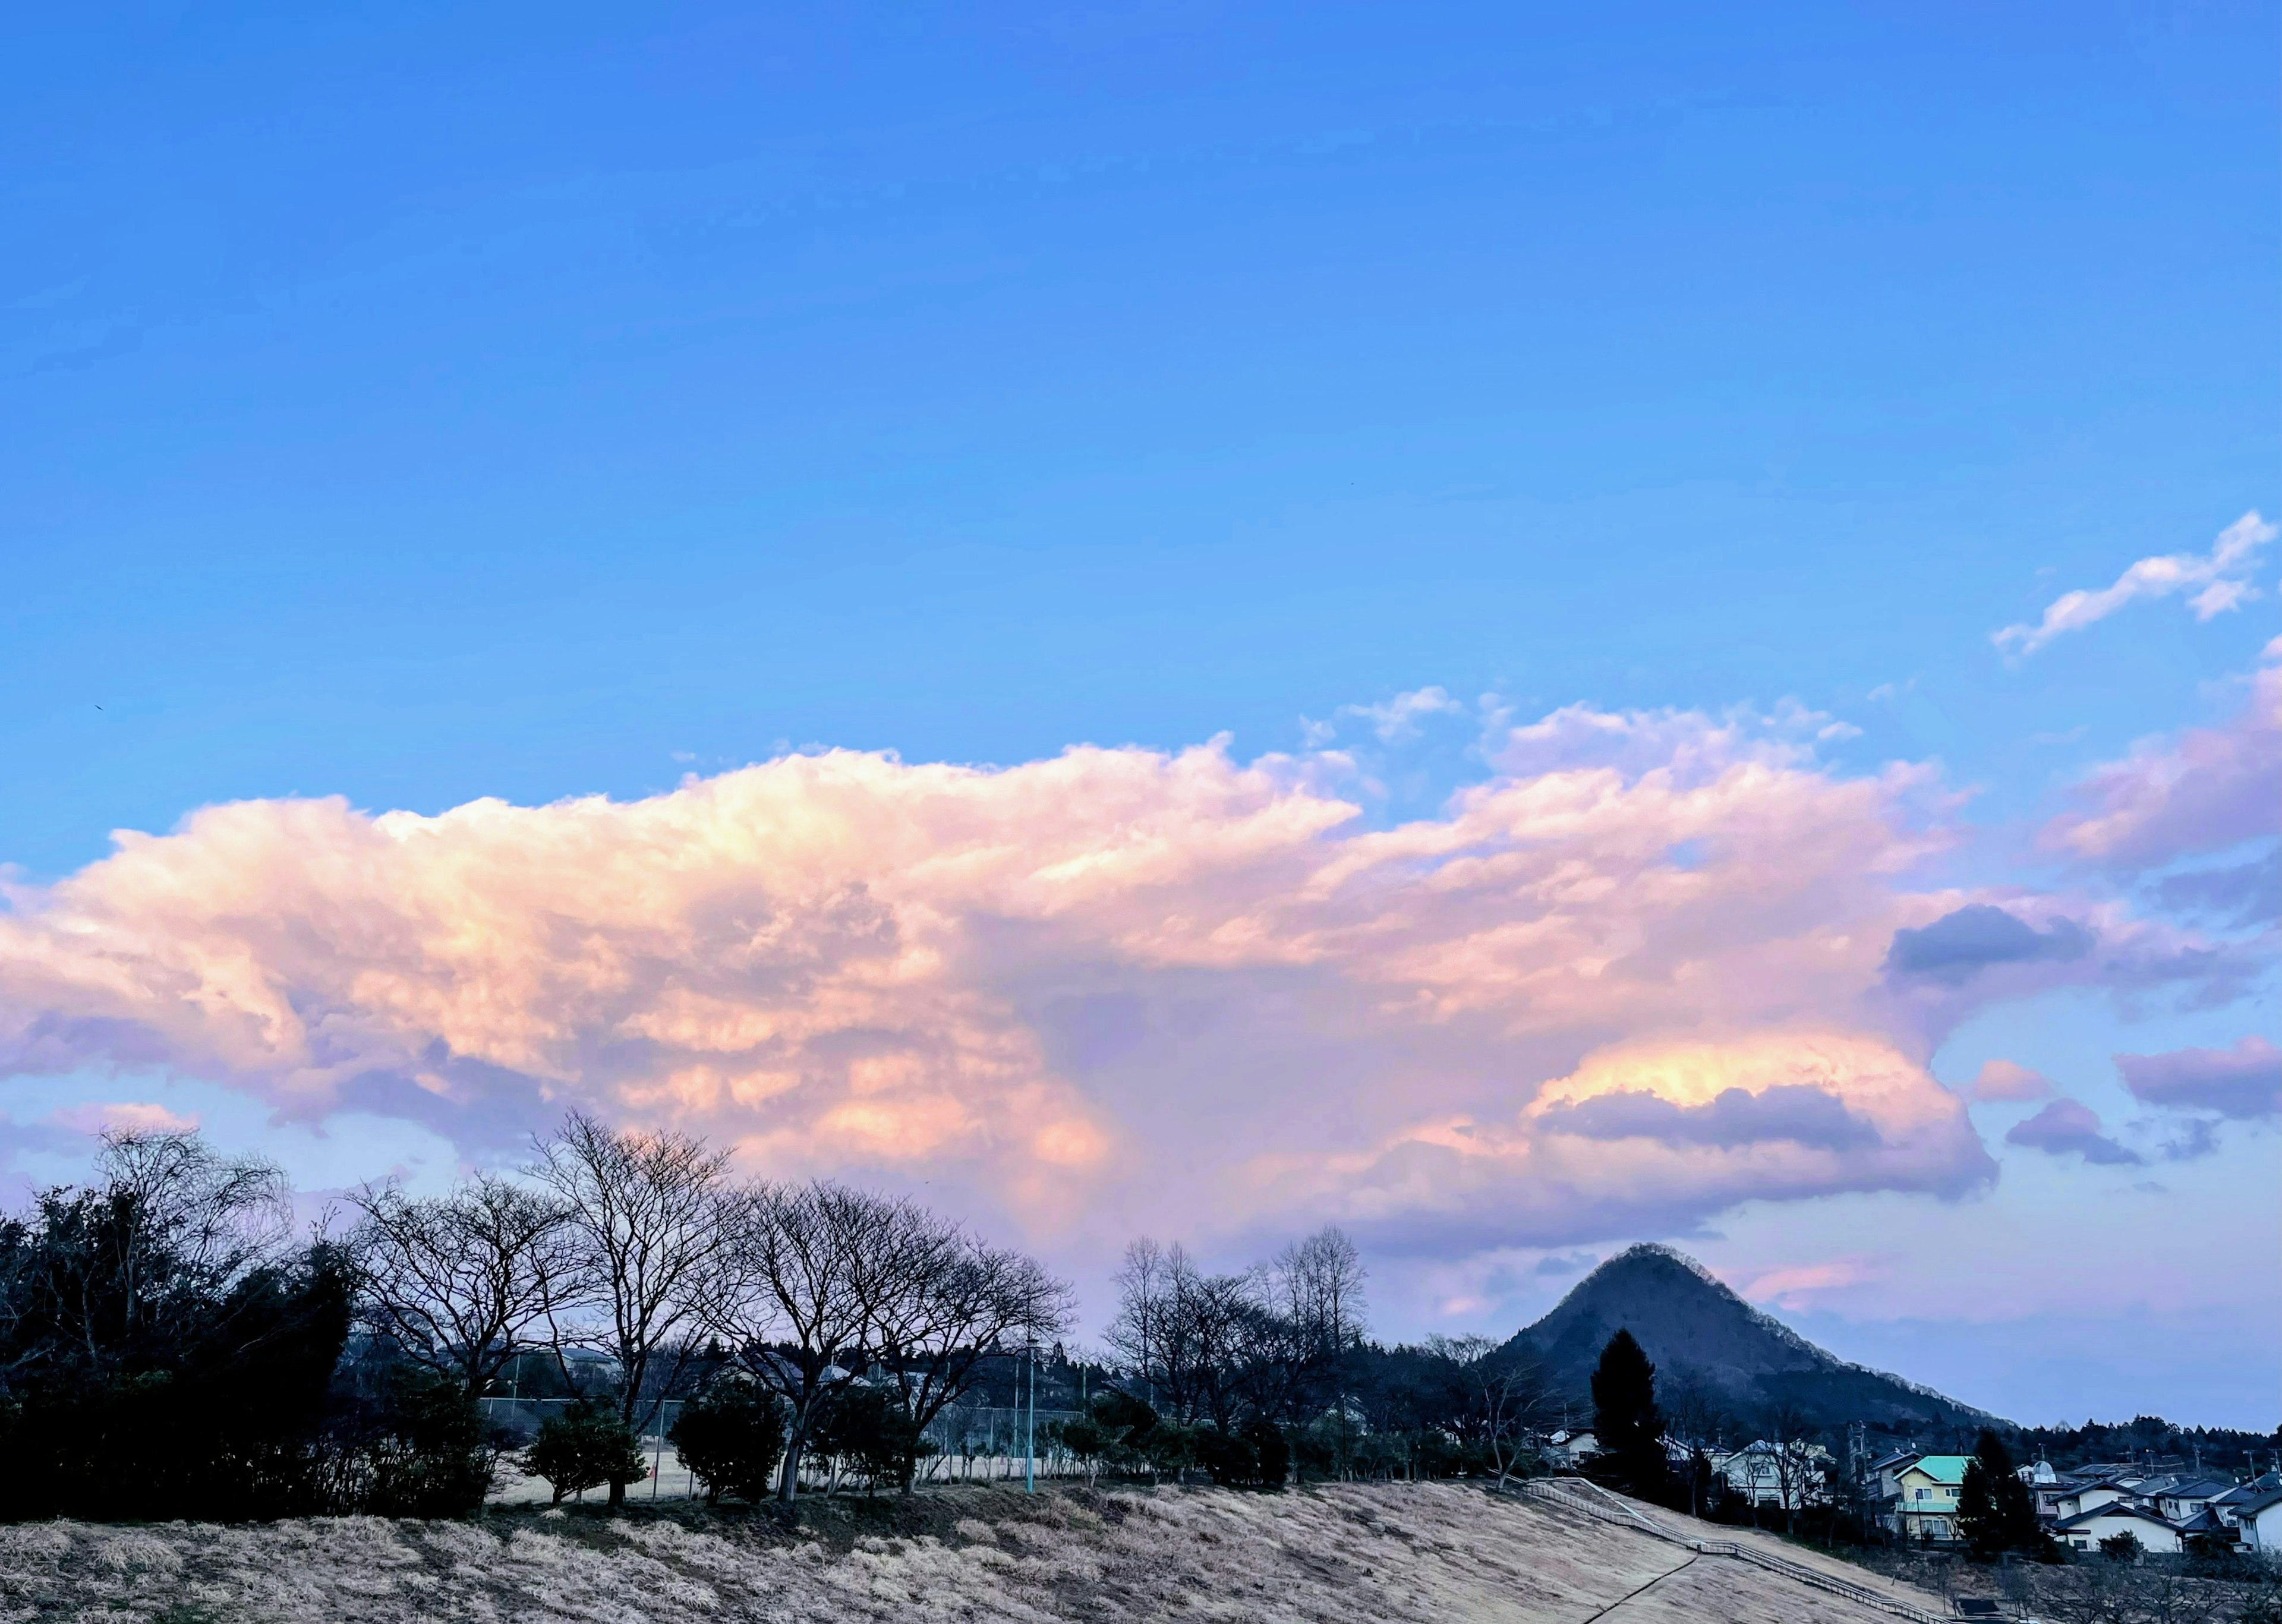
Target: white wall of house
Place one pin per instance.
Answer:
(2154, 1537)
(2263, 1532)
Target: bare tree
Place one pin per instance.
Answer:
(1507, 1394)
(460, 1282)
(1195, 1339)
(1318, 1285)
(957, 1301)
(1792, 1460)
(1137, 1335)
(803, 1282)
(646, 1218)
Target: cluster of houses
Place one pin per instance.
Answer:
(2161, 1505)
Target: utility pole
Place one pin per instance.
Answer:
(1030, 1425)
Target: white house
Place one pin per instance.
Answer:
(2086, 1529)
(1572, 1448)
(2258, 1521)
(1789, 1475)
(2184, 1501)
(2080, 1498)
(2227, 1505)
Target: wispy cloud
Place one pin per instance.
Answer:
(2217, 581)
(1394, 720)
(2205, 790)
(123, 1116)
(1797, 1286)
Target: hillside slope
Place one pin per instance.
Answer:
(1439, 1553)
(1694, 1327)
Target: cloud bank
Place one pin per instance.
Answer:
(1656, 965)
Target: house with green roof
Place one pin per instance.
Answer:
(1925, 1506)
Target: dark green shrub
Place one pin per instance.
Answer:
(166, 1355)
(1271, 1454)
(584, 1447)
(427, 1454)
(732, 1436)
(869, 1433)
(1231, 1458)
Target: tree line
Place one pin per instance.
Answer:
(171, 1345)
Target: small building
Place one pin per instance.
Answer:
(2226, 1506)
(2086, 1529)
(1881, 1479)
(2258, 1521)
(1572, 1448)
(1788, 1476)
(1928, 1490)
(2077, 1499)
(2181, 1502)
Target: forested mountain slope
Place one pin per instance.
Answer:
(1696, 1331)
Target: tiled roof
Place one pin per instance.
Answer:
(2119, 1508)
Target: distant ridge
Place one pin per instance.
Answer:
(1698, 1332)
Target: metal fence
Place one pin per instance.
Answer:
(970, 1443)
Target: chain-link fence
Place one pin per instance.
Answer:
(968, 1443)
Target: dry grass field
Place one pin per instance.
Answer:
(1436, 1553)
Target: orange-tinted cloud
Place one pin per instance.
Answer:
(1647, 955)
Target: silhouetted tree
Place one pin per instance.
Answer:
(1625, 1423)
(645, 1223)
(1994, 1510)
(163, 1348)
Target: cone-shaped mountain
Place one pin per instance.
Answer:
(1698, 1333)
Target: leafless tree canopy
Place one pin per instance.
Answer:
(645, 1220)
(1268, 1340)
(820, 1281)
(463, 1284)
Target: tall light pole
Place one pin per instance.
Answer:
(1030, 1422)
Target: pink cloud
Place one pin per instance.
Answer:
(123, 1116)
(2207, 789)
(1638, 974)
(1796, 1287)
(2003, 1080)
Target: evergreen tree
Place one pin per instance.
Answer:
(1626, 1422)
(1994, 1512)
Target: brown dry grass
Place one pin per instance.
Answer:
(1442, 1552)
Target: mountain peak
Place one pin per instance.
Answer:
(1707, 1342)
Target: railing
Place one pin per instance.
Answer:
(1582, 1495)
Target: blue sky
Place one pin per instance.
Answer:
(446, 403)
